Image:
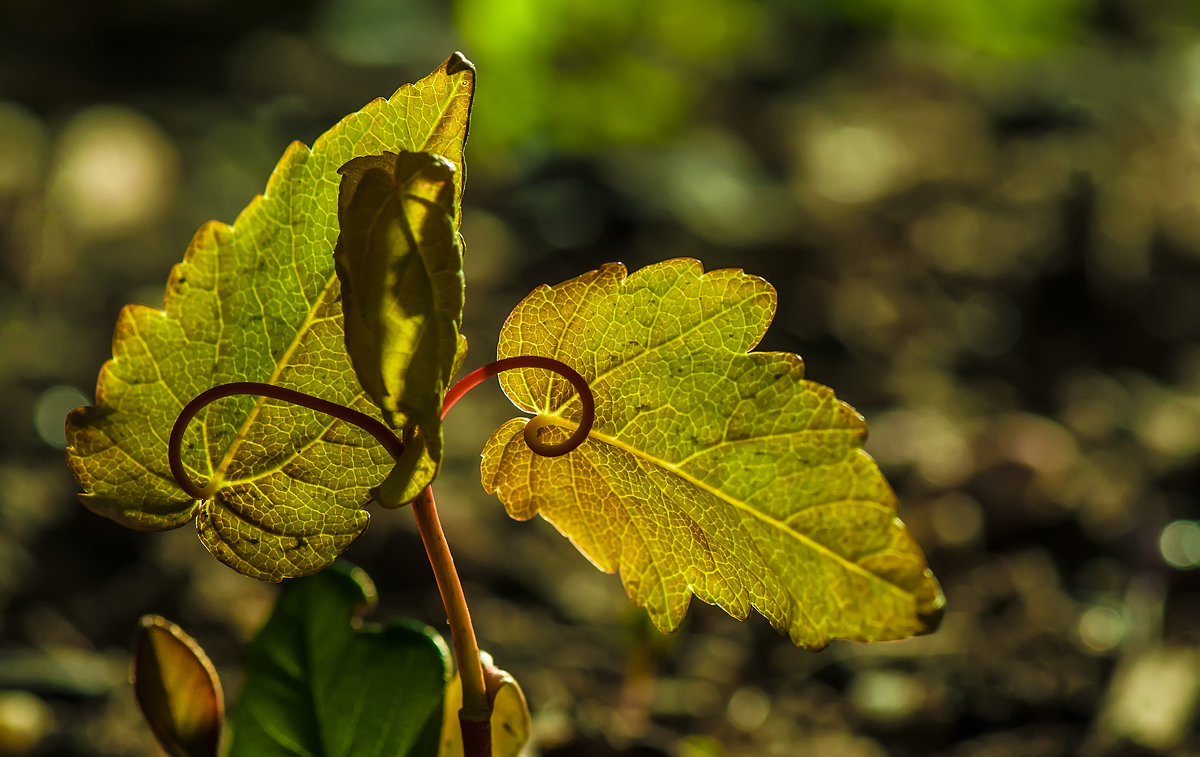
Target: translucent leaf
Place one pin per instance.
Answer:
(400, 263)
(710, 470)
(510, 721)
(258, 301)
(319, 682)
(177, 689)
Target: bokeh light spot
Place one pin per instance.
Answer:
(115, 172)
(748, 708)
(852, 164)
(887, 695)
(957, 519)
(1180, 544)
(24, 721)
(50, 410)
(1102, 628)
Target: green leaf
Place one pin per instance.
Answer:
(258, 301)
(400, 263)
(416, 467)
(177, 689)
(318, 682)
(710, 470)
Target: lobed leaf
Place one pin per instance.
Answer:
(318, 682)
(259, 301)
(710, 470)
(400, 263)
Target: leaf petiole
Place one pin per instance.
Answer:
(475, 716)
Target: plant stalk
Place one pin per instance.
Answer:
(475, 715)
(475, 705)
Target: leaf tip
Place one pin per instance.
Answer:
(458, 63)
(80, 418)
(149, 621)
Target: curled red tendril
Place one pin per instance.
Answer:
(384, 435)
(587, 401)
(375, 428)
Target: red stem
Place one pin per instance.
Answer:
(475, 706)
(475, 715)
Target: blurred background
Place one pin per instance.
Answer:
(981, 218)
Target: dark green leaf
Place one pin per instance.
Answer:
(320, 683)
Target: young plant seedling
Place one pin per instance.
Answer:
(300, 369)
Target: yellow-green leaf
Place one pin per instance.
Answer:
(416, 467)
(710, 470)
(177, 688)
(510, 722)
(400, 263)
(258, 301)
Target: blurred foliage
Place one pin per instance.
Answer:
(587, 75)
(982, 219)
(1014, 29)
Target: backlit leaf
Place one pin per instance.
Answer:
(510, 721)
(177, 689)
(258, 301)
(710, 470)
(319, 682)
(400, 263)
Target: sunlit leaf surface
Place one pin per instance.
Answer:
(400, 264)
(177, 689)
(510, 722)
(710, 470)
(319, 683)
(258, 301)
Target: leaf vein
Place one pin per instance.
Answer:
(741, 506)
(598, 379)
(280, 366)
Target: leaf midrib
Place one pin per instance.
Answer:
(281, 364)
(732, 501)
